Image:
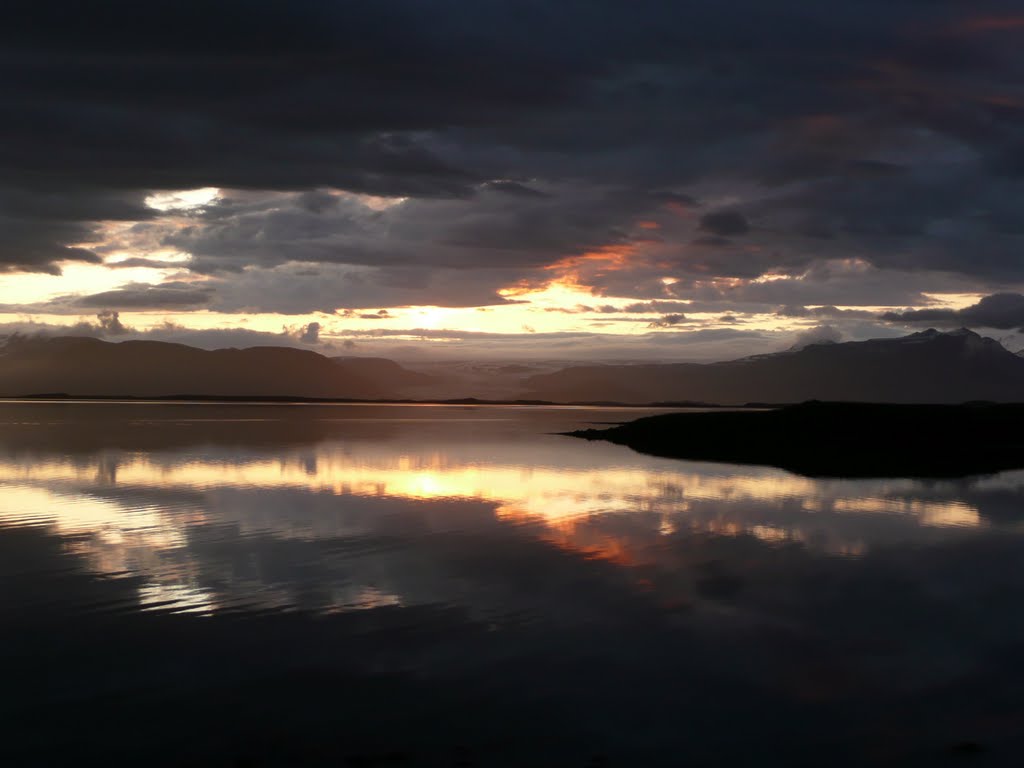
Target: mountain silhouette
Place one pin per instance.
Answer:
(925, 367)
(90, 367)
(385, 373)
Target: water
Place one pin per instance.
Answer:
(186, 584)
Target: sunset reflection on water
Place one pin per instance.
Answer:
(339, 585)
(139, 513)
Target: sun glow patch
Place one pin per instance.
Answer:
(25, 288)
(373, 202)
(772, 278)
(952, 300)
(182, 200)
(168, 257)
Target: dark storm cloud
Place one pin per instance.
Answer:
(133, 297)
(494, 229)
(109, 323)
(725, 223)
(655, 306)
(795, 310)
(514, 188)
(667, 321)
(825, 283)
(310, 334)
(141, 297)
(54, 222)
(144, 262)
(1000, 310)
(294, 289)
(36, 246)
(885, 131)
(305, 334)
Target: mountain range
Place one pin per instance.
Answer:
(926, 367)
(90, 367)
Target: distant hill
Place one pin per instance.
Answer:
(384, 372)
(926, 367)
(91, 367)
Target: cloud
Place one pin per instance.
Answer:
(1000, 310)
(44, 226)
(304, 334)
(488, 147)
(139, 296)
(513, 188)
(655, 306)
(667, 321)
(796, 310)
(725, 223)
(110, 323)
(310, 334)
(827, 282)
(819, 334)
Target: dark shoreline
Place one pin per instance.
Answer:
(819, 439)
(58, 397)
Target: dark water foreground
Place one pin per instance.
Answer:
(373, 586)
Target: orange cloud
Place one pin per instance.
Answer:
(610, 257)
(822, 124)
(992, 24)
(681, 210)
(896, 80)
(572, 271)
(1003, 100)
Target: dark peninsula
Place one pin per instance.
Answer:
(839, 439)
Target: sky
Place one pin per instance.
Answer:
(598, 179)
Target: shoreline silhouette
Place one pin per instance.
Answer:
(820, 439)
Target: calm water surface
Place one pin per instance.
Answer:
(397, 585)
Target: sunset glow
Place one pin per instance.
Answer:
(511, 383)
(560, 505)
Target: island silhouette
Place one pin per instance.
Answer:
(839, 439)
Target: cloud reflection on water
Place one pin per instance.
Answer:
(153, 512)
(321, 584)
